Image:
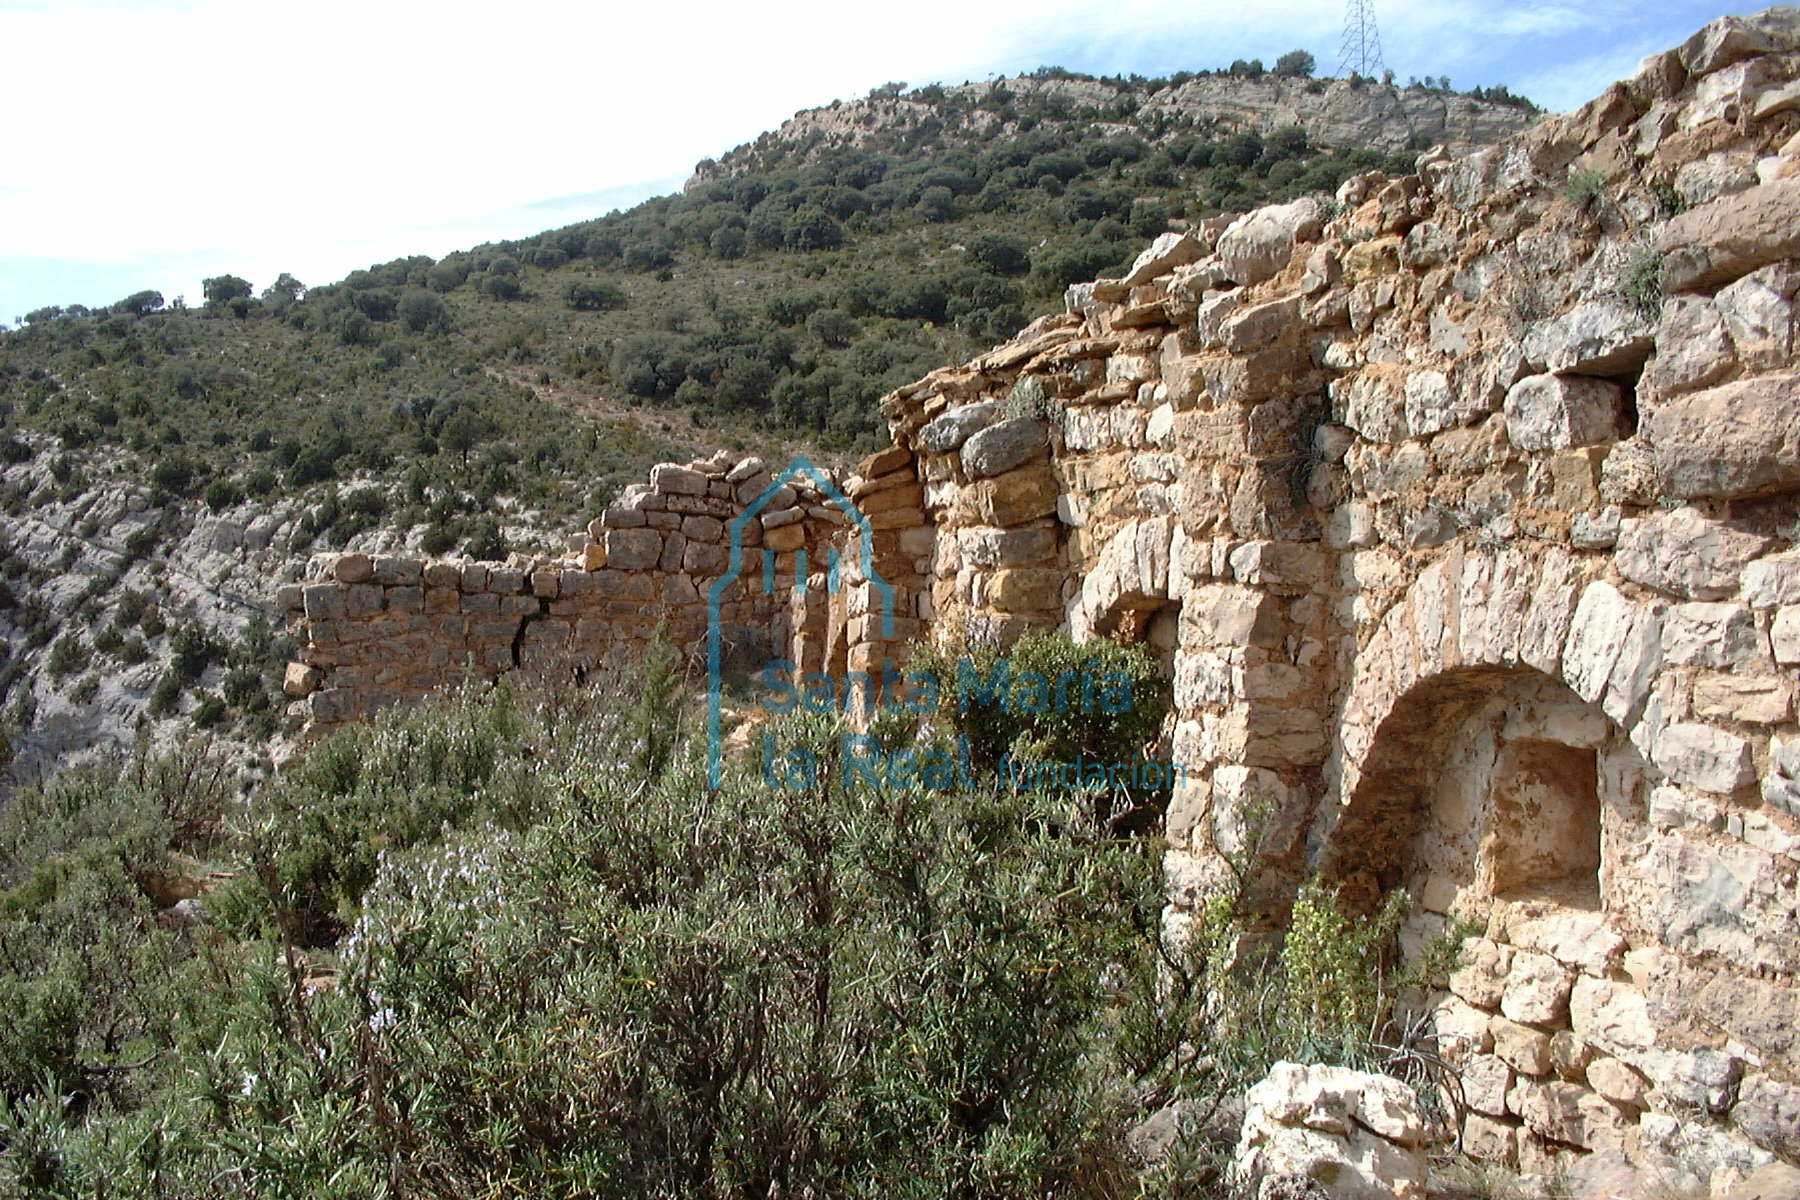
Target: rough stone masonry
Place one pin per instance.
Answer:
(1463, 508)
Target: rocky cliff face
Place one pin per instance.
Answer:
(1465, 511)
(1334, 113)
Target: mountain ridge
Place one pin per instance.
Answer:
(1336, 113)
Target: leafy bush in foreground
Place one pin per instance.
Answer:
(563, 975)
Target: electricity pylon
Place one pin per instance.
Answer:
(1360, 53)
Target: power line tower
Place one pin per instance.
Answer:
(1360, 52)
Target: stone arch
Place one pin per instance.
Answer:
(1127, 583)
(1473, 625)
(1491, 763)
(1489, 783)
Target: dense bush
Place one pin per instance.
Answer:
(549, 961)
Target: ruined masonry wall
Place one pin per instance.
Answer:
(376, 631)
(1465, 511)
(1464, 508)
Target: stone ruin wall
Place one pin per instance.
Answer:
(380, 630)
(1463, 511)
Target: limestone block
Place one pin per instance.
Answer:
(987, 547)
(1600, 337)
(633, 549)
(1257, 246)
(1784, 633)
(949, 431)
(1556, 412)
(1569, 1056)
(910, 496)
(1537, 989)
(1734, 441)
(672, 479)
(1215, 311)
(1704, 1080)
(1752, 699)
(1256, 325)
(391, 570)
(1373, 404)
(1480, 975)
(884, 461)
(1490, 1139)
(1485, 1082)
(1602, 624)
(1585, 941)
(1718, 45)
(301, 680)
(1705, 758)
(1550, 1109)
(1731, 236)
(1017, 496)
(323, 602)
(704, 558)
(785, 538)
(1687, 554)
(702, 528)
(1611, 1016)
(362, 600)
(1758, 310)
(1773, 580)
(744, 469)
(1617, 1082)
(1429, 403)
(1693, 349)
(1712, 635)
(354, 568)
(1769, 1112)
(1460, 1029)
(1004, 446)
(1524, 1049)
(1168, 251)
(1025, 589)
(1282, 567)
(405, 599)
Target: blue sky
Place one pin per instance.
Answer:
(152, 143)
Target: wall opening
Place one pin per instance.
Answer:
(1543, 837)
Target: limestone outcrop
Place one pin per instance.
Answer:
(1465, 510)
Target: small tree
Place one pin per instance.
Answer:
(139, 303)
(1295, 64)
(284, 292)
(465, 430)
(421, 311)
(221, 290)
(589, 296)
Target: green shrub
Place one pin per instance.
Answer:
(585, 295)
(576, 978)
(67, 656)
(223, 493)
(423, 312)
(1585, 189)
(88, 980)
(1048, 700)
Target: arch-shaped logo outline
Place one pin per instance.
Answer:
(735, 540)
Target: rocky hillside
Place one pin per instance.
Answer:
(176, 465)
(1337, 113)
